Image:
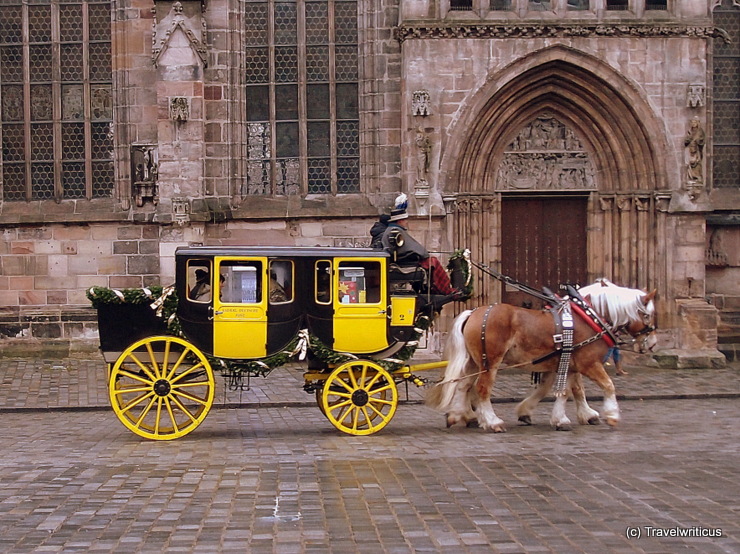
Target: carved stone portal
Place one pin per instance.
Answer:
(144, 174)
(545, 155)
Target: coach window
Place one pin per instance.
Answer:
(199, 283)
(323, 282)
(281, 281)
(359, 282)
(241, 281)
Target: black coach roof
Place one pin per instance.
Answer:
(280, 251)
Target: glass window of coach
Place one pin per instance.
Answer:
(56, 112)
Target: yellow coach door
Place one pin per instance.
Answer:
(240, 308)
(360, 316)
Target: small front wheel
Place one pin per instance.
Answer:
(359, 397)
(161, 387)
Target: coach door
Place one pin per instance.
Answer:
(360, 311)
(240, 308)
(543, 243)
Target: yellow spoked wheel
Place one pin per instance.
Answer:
(161, 387)
(359, 397)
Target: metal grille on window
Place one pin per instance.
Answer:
(726, 103)
(301, 73)
(56, 132)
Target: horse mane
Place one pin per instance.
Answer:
(619, 305)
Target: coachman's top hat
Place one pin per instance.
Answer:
(399, 208)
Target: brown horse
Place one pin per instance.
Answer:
(517, 336)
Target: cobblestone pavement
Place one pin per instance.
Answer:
(30, 384)
(274, 476)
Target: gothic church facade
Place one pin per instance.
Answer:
(559, 140)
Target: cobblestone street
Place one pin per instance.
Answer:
(275, 476)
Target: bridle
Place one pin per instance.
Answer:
(645, 332)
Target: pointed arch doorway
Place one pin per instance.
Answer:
(620, 191)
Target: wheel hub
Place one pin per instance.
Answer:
(360, 397)
(162, 387)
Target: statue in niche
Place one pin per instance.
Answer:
(694, 143)
(145, 171)
(424, 150)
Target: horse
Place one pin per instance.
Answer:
(519, 336)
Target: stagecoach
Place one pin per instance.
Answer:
(352, 314)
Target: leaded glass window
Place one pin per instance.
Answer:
(726, 149)
(56, 113)
(302, 97)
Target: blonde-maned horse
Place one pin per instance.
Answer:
(516, 336)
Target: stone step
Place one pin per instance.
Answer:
(731, 351)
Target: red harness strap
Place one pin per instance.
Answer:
(591, 323)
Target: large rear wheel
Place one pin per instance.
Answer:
(161, 387)
(359, 397)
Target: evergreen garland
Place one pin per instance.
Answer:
(163, 300)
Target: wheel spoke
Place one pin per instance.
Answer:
(168, 404)
(373, 392)
(373, 380)
(125, 407)
(340, 405)
(165, 358)
(183, 394)
(177, 364)
(182, 407)
(159, 415)
(352, 379)
(145, 411)
(153, 360)
(143, 367)
(188, 371)
(130, 389)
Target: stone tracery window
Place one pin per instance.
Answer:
(56, 112)
(301, 72)
(726, 104)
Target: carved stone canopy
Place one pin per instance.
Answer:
(186, 18)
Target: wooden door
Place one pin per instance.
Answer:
(543, 244)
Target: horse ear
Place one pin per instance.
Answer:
(648, 297)
(587, 298)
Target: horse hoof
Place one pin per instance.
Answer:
(472, 424)
(499, 429)
(563, 427)
(594, 421)
(525, 420)
(611, 421)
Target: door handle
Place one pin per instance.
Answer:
(218, 312)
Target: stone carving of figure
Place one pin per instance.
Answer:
(694, 143)
(420, 103)
(424, 149)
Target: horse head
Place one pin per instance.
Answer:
(642, 325)
(628, 310)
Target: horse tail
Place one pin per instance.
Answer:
(440, 396)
